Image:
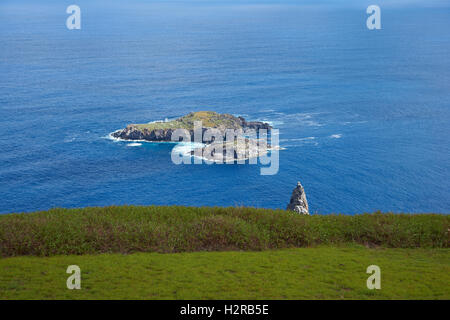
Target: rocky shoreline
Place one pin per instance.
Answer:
(228, 151)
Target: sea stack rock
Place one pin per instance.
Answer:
(298, 201)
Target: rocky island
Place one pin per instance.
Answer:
(243, 145)
(162, 130)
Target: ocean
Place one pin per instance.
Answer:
(363, 115)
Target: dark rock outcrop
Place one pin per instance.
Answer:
(133, 133)
(298, 201)
(230, 151)
(156, 135)
(254, 124)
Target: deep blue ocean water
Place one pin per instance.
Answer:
(364, 115)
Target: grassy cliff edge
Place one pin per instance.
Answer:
(133, 252)
(128, 229)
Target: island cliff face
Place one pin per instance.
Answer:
(131, 132)
(162, 131)
(245, 149)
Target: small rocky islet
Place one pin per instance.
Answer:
(162, 131)
(298, 202)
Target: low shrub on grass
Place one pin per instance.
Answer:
(127, 229)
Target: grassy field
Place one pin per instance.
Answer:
(301, 273)
(132, 252)
(128, 229)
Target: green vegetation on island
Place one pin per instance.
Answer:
(209, 119)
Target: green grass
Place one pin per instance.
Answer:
(133, 252)
(208, 118)
(161, 125)
(302, 273)
(128, 229)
